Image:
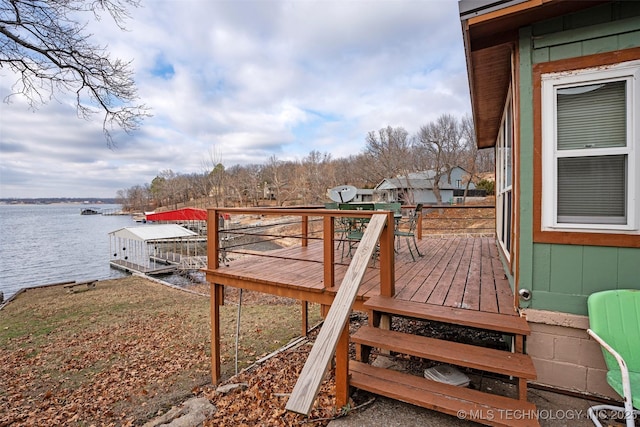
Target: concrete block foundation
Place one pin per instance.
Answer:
(564, 354)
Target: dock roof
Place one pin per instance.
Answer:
(184, 214)
(153, 232)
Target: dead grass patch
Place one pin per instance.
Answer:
(119, 354)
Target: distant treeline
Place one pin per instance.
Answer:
(390, 152)
(51, 200)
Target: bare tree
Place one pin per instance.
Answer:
(319, 175)
(170, 188)
(281, 178)
(215, 178)
(439, 145)
(388, 152)
(469, 158)
(486, 160)
(134, 199)
(246, 183)
(43, 43)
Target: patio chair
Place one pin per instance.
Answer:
(614, 322)
(341, 227)
(356, 226)
(410, 233)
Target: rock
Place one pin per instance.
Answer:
(386, 362)
(191, 413)
(226, 389)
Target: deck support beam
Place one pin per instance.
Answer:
(342, 369)
(329, 272)
(216, 301)
(387, 258)
(305, 317)
(305, 231)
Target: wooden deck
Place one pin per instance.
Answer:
(458, 281)
(460, 272)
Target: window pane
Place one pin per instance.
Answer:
(508, 137)
(592, 189)
(592, 116)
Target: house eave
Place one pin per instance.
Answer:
(490, 36)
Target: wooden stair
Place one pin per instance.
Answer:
(465, 403)
(478, 406)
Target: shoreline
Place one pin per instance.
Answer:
(6, 302)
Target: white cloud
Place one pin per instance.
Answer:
(250, 78)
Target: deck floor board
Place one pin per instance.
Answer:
(427, 290)
(463, 272)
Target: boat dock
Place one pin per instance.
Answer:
(153, 270)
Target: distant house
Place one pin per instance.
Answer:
(555, 88)
(417, 187)
(364, 195)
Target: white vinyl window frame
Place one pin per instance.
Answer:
(629, 72)
(504, 179)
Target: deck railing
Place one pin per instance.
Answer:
(383, 242)
(304, 226)
(311, 224)
(333, 337)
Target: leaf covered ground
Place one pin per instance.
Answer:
(125, 351)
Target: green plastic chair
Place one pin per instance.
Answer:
(410, 234)
(356, 225)
(614, 322)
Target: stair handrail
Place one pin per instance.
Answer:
(306, 388)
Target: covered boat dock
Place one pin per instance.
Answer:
(156, 249)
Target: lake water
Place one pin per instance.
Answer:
(42, 244)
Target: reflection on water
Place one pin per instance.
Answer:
(42, 244)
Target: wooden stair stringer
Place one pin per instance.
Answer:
(488, 408)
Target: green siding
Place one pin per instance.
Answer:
(576, 304)
(562, 273)
(600, 269)
(563, 276)
(566, 269)
(629, 268)
(542, 272)
(525, 235)
(570, 39)
(599, 45)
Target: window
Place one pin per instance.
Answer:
(504, 178)
(590, 149)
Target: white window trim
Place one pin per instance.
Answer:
(552, 81)
(501, 166)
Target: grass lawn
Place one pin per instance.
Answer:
(120, 353)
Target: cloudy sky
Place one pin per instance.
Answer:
(244, 80)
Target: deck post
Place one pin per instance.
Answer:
(328, 231)
(387, 271)
(305, 317)
(328, 247)
(216, 292)
(216, 373)
(305, 230)
(213, 239)
(387, 258)
(342, 369)
(419, 226)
